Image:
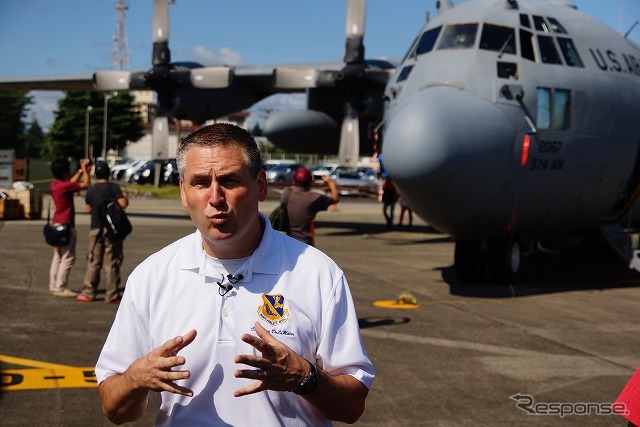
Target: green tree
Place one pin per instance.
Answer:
(67, 135)
(33, 141)
(12, 113)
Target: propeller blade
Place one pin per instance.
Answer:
(160, 21)
(160, 143)
(112, 80)
(349, 142)
(211, 77)
(161, 54)
(294, 77)
(356, 16)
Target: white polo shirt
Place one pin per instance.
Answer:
(295, 291)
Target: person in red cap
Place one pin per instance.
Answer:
(304, 204)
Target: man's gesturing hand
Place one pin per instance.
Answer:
(280, 368)
(155, 370)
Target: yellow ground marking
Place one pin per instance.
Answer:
(395, 304)
(42, 375)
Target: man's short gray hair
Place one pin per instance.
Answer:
(221, 135)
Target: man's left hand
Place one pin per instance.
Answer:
(279, 368)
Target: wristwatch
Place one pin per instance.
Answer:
(308, 383)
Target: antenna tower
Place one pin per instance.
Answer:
(120, 38)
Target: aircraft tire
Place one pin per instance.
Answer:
(469, 261)
(504, 260)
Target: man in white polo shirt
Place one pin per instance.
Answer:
(236, 324)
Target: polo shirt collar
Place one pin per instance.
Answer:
(266, 259)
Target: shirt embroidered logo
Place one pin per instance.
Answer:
(272, 310)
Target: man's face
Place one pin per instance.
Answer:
(222, 199)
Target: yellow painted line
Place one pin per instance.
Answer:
(28, 362)
(42, 375)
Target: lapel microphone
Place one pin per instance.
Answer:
(223, 290)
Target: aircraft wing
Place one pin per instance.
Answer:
(69, 82)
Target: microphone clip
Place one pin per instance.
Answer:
(223, 290)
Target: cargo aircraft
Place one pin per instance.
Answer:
(509, 124)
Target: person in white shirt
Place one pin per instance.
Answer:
(236, 324)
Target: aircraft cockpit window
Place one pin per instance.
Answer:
(428, 40)
(541, 24)
(499, 39)
(526, 45)
(556, 26)
(548, 51)
(404, 73)
(459, 36)
(524, 20)
(411, 53)
(571, 55)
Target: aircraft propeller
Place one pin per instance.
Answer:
(165, 78)
(355, 81)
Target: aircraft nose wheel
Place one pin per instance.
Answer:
(504, 260)
(499, 260)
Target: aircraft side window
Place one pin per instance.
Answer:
(548, 51)
(541, 24)
(428, 40)
(524, 20)
(556, 26)
(404, 74)
(497, 38)
(459, 36)
(571, 55)
(554, 108)
(526, 45)
(544, 108)
(508, 70)
(561, 109)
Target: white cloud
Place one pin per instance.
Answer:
(225, 56)
(44, 104)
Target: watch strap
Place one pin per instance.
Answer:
(308, 383)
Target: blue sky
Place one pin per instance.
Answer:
(58, 37)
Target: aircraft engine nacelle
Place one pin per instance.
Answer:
(369, 104)
(303, 131)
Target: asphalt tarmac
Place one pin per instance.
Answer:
(554, 350)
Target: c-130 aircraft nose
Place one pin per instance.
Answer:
(448, 151)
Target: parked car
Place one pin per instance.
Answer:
(147, 172)
(144, 174)
(170, 172)
(361, 180)
(128, 173)
(325, 169)
(282, 173)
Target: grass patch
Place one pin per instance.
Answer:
(166, 192)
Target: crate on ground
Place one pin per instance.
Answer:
(10, 209)
(29, 199)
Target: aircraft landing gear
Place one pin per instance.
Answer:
(470, 261)
(499, 260)
(504, 260)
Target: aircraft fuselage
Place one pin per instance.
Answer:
(522, 119)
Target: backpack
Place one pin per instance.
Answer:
(115, 221)
(279, 218)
